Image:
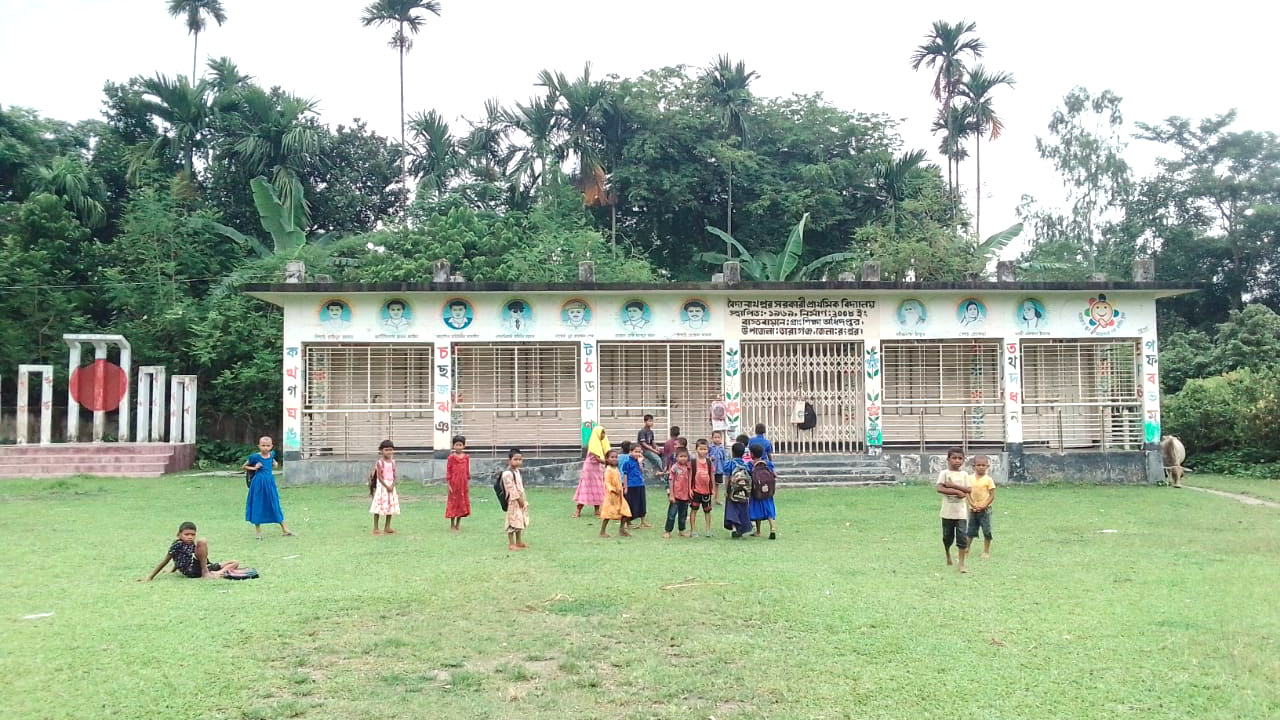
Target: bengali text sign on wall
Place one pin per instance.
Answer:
(801, 317)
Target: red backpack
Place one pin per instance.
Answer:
(763, 481)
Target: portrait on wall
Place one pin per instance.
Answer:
(1102, 316)
(911, 314)
(517, 316)
(335, 314)
(458, 314)
(575, 314)
(636, 316)
(396, 316)
(971, 313)
(1031, 315)
(695, 315)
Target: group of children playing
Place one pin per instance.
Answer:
(614, 483)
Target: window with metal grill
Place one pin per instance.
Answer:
(1082, 394)
(675, 382)
(358, 395)
(942, 393)
(517, 395)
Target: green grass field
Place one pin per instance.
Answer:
(1254, 487)
(850, 614)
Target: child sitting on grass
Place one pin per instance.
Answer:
(191, 557)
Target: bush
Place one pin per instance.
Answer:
(1243, 463)
(1237, 411)
(220, 453)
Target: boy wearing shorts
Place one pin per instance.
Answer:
(191, 557)
(704, 484)
(982, 492)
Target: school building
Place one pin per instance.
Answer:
(1048, 379)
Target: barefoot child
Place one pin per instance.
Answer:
(737, 493)
(615, 503)
(517, 503)
(591, 480)
(763, 484)
(191, 557)
(678, 491)
(632, 469)
(262, 504)
(458, 474)
(953, 485)
(382, 488)
(718, 457)
(704, 484)
(982, 492)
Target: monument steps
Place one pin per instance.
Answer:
(105, 459)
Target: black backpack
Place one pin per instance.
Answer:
(500, 489)
(763, 482)
(810, 418)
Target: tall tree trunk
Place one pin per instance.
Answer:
(195, 45)
(613, 224)
(729, 215)
(404, 156)
(977, 221)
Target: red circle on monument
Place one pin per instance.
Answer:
(99, 386)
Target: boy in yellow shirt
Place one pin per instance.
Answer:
(982, 492)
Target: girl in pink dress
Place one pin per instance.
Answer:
(591, 480)
(457, 474)
(382, 488)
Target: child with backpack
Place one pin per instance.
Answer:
(737, 492)
(513, 500)
(382, 488)
(763, 484)
(457, 474)
(615, 502)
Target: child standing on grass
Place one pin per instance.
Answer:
(191, 557)
(517, 502)
(718, 458)
(982, 492)
(382, 488)
(457, 473)
(704, 483)
(262, 504)
(615, 502)
(633, 474)
(737, 493)
(763, 484)
(679, 480)
(953, 485)
(591, 480)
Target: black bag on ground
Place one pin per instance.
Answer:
(500, 490)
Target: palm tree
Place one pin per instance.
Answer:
(275, 137)
(945, 49)
(68, 179)
(729, 88)
(540, 124)
(955, 127)
(977, 88)
(404, 15)
(195, 11)
(436, 158)
(226, 75)
(184, 109)
(580, 105)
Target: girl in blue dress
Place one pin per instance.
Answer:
(262, 506)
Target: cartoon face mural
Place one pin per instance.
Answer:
(635, 316)
(575, 314)
(695, 315)
(1101, 316)
(396, 316)
(971, 313)
(1030, 315)
(335, 314)
(517, 316)
(911, 314)
(457, 314)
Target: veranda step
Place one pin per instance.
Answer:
(840, 483)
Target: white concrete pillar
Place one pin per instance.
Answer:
(442, 392)
(874, 388)
(99, 389)
(589, 383)
(1011, 374)
(293, 391)
(73, 407)
(126, 364)
(182, 409)
(732, 368)
(152, 389)
(1151, 389)
(46, 402)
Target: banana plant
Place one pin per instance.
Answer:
(768, 266)
(285, 224)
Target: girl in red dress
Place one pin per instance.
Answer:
(458, 474)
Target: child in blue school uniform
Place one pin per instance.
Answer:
(262, 505)
(632, 469)
(763, 484)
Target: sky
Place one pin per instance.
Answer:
(1162, 59)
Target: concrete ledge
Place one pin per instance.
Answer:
(1018, 466)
